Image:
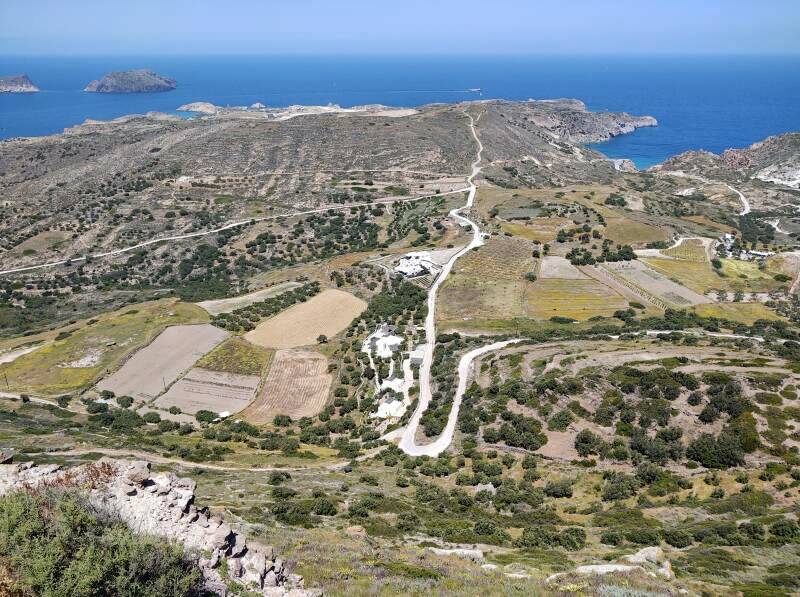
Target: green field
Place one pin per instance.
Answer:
(237, 355)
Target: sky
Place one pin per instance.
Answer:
(140, 27)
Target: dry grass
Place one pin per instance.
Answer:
(327, 313)
(541, 229)
(297, 385)
(701, 277)
(706, 221)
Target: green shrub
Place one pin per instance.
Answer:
(678, 538)
(611, 538)
(57, 545)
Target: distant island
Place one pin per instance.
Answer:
(131, 81)
(17, 84)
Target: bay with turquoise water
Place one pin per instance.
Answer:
(701, 102)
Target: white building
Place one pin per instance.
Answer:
(415, 264)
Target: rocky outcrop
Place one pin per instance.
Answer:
(17, 84)
(201, 107)
(132, 81)
(775, 159)
(162, 504)
(649, 560)
(571, 121)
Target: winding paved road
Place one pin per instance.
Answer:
(407, 440)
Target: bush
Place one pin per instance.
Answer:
(720, 452)
(282, 420)
(151, 417)
(611, 538)
(678, 538)
(124, 401)
(544, 536)
(558, 489)
(643, 536)
(205, 416)
(57, 545)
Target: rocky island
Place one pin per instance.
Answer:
(132, 81)
(17, 84)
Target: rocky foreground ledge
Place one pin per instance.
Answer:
(162, 504)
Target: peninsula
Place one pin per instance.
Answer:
(132, 81)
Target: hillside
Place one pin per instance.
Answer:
(472, 354)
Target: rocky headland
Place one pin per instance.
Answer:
(132, 81)
(17, 84)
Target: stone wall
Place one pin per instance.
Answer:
(162, 504)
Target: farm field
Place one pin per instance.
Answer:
(701, 277)
(559, 267)
(488, 283)
(630, 232)
(201, 389)
(237, 355)
(578, 299)
(146, 373)
(657, 283)
(746, 313)
(231, 304)
(75, 356)
(297, 385)
(327, 313)
(689, 249)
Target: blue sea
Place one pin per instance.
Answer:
(700, 102)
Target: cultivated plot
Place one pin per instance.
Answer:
(327, 313)
(559, 268)
(150, 370)
(654, 283)
(297, 385)
(201, 389)
(577, 299)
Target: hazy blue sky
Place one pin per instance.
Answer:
(398, 26)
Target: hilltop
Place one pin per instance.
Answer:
(132, 81)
